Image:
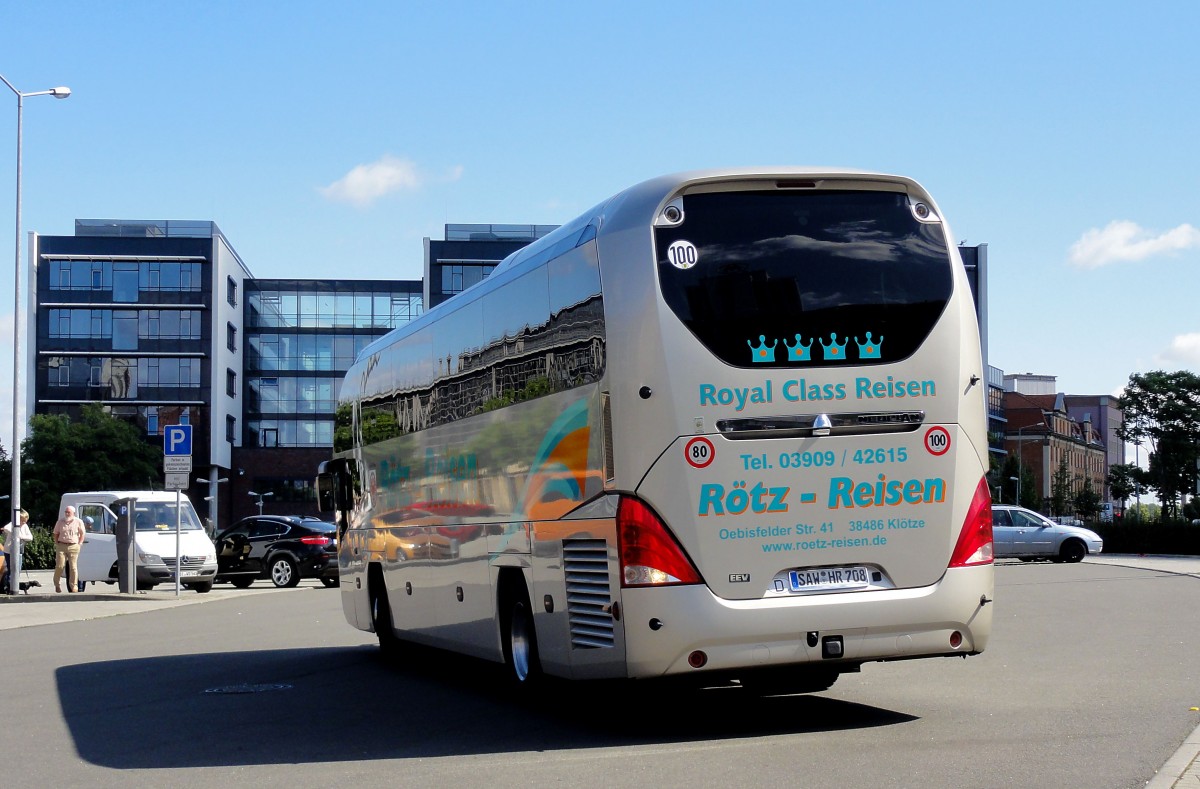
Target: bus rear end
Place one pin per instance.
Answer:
(799, 421)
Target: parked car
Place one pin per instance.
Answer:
(284, 548)
(1024, 534)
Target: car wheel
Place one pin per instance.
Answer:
(520, 642)
(381, 618)
(283, 572)
(142, 586)
(329, 582)
(1072, 551)
(203, 587)
(242, 582)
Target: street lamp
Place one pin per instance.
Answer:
(261, 496)
(17, 421)
(1018, 481)
(211, 498)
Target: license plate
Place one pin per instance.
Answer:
(824, 579)
(188, 573)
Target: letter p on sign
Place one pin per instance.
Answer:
(177, 440)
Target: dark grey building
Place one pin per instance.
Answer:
(162, 323)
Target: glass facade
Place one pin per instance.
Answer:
(302, 336)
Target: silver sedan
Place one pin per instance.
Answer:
(1024, 534)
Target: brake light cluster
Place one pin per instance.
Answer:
(975, 540)
(315, 540)
(650, 554)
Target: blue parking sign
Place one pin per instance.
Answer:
(177, 440)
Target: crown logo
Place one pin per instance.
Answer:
(764, 352)
(799, 352)
(834, 351)
(869, 349)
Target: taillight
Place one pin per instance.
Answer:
(316, 540)
(975, 540)
(650, 556)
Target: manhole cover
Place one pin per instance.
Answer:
(249, 688)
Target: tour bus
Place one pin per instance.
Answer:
(726, 427)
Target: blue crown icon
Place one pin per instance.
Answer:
(799, 352)
(870, 349)
(834, 351)
(764, 352)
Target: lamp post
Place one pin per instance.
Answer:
(211, 498)
(17, 421)
(1018, 481)
(261, 496)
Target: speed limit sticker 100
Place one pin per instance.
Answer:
(699, 452)
(937, 440)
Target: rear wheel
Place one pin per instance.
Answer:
(242, 582)
(284, 573)
(520, 640)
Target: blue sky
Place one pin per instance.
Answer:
(326, 140)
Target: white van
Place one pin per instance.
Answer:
(154, 518)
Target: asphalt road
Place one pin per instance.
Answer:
(1088, 682)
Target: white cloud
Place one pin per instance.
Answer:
(1122, 240)
(366, 183)
(1185, 350)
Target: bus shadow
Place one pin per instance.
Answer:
(346, 704)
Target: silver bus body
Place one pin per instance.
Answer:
(779, 370)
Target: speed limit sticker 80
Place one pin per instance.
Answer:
(699, 452)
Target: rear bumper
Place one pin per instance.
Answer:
(737, 634)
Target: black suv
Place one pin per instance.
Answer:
(284, 548)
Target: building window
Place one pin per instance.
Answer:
(231, 337)
(230, 428)
(152, 421)
(125, 282)
(231, 292)
(230, 383)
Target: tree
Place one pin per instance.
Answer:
(1011, 469)
(95, 452)
(1124, 480)
(5, 473)
(1164, 410)
(1060, 490)
(1087, 500)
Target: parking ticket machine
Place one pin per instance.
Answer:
(126, 547)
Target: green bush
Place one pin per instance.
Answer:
(1175, 539)
(39, 553)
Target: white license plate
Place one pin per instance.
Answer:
(824, 579)
(188, 573)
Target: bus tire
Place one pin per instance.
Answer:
(381, 615)
(520, 639)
